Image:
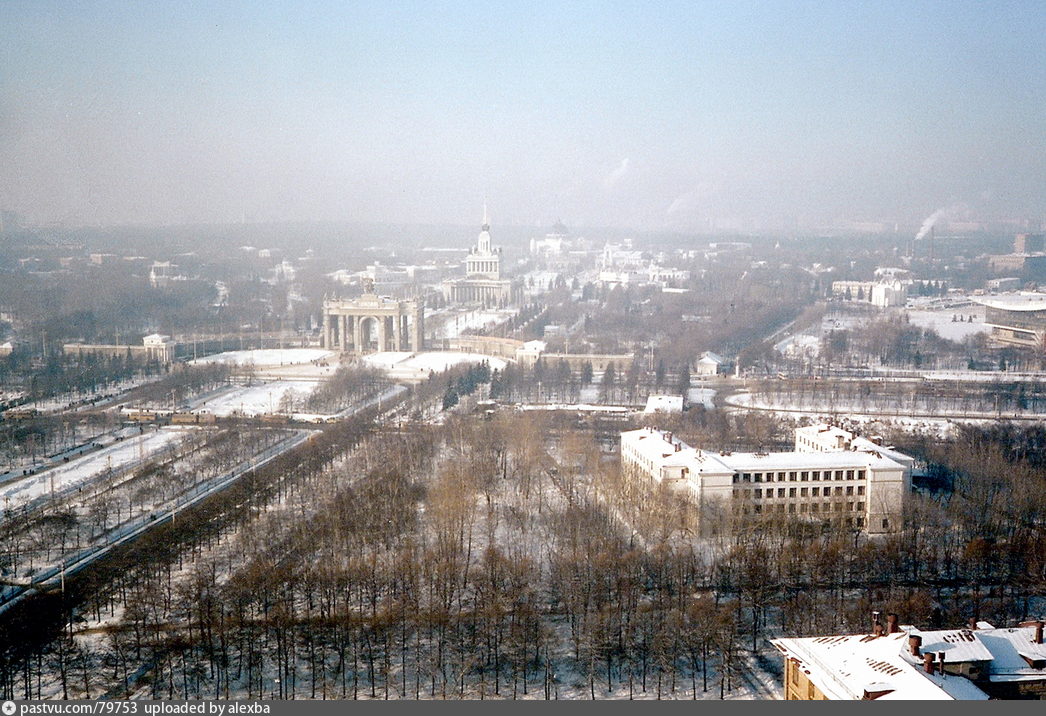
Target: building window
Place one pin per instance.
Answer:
(860, 474)
(860, 522)
(849, 489)
(815, 491)
(804, 476)
(802, 507)
(886, 523)
(838, 506)
(780, 492)
(758, 477)
(746, 477)
(860, 489)
(849, 474)
(813, 507)
(791, 477)
(838, 474)
(803, 491)
(791, 508)
(758, 493)
(780, 477)
(758, 509)
(736, 478)
(850, 506)
(860, 507)
(839, 492)
(817, 475)
(791, 492)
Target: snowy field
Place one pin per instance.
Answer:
(942, 426)
(416, 366)
(454, 327)
(81, 470)
(702, 396)
(268, 357)
(953, 330)
(68, 401)
(258, 399)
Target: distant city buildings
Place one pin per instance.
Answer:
(1028, 260)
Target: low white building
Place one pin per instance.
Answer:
(860, 487)
(708, 364)
(159, 347)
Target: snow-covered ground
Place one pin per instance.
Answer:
(268, 357)
(942, 426)
(257, 399)
(76, 472)
(947, 324)
(581, 408)
(480, 318)
(308, 364)
(68, 401)
(416, 366)
(702, 396)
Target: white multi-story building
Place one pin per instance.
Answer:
(831, 476)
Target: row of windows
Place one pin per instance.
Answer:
(758, 492)
(799, 475)
(803, 508)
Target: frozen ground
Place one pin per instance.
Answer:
(68, 476)
(702, 396)
(935, 425)
(416, 366)
(268, 357)
(580, 407)
(480, 318)
(953, 330)
(257, 399)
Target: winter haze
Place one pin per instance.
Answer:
(682, 116)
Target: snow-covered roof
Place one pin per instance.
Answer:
(710, 357)
(847, 667)
(1014, 302)
(751, 462)
(1011, 650)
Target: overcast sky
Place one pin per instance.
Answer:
(642, 115)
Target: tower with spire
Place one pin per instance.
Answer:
(482, 283)
(484, 261)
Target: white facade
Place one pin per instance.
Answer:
(483, 282)
(159, 347)
(860, 487)
(708, 364)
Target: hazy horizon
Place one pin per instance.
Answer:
(674, 117)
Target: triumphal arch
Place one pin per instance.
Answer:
(373, 323)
